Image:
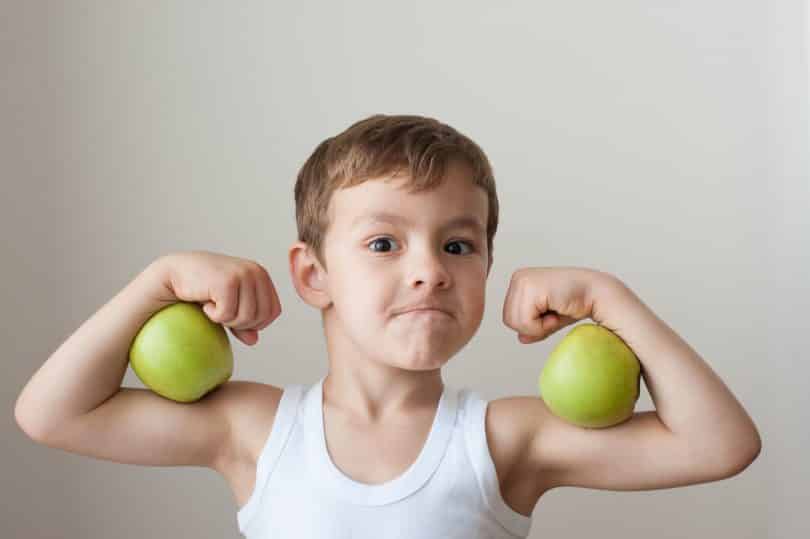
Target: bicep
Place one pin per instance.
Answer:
(638, 454)
(137, 426)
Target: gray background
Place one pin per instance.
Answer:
(663, 142)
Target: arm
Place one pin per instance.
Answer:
(699, 432)
(690, 399)
(75, 401)
(87, 368)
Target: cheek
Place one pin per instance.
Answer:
(474, 303)
(363, 301)
(477, 305)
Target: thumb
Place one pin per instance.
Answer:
(208, 309)
(547, 325)
(542, 328)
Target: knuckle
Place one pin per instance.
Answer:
(271, 316)
(231, 280)
(265, 323)
(255, 268)
(220, 314)
(273, 311)
(238, 274)
(226, 313)
(263, 275)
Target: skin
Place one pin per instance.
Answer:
(384, 366)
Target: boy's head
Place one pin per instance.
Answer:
(362, 272)
(415, 148)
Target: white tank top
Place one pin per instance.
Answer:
(450, 491)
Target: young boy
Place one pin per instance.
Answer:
(396, 219)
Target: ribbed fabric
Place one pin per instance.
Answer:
(450, 491)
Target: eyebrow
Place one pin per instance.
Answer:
(462, 221)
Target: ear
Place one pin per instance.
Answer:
(308, 276)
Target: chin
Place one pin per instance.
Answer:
(420, 363)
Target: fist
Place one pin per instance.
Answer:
(234, 292)
(541, 301)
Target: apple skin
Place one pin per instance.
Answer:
(181, 354)
(591, 378)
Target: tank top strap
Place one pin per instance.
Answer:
(283, 422)
(475, 434)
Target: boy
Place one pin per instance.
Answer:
(396, 218)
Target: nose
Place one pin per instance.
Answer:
(429, 270)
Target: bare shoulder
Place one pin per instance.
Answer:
(511, 424)
(249, 409)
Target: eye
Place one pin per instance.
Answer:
(462, 242)
(379, 241)
(384, 240)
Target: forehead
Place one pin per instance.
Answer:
(455, 202)
(469, 221)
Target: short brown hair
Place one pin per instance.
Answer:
(381, 145)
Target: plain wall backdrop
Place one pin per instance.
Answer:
(663, 142)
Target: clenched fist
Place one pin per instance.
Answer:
(234, 292)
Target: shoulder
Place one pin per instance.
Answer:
(512, 424)
(249, 410)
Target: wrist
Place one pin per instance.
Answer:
(608, 292)
(155, 280)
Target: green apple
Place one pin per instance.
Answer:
(591, 378)
(181, 354)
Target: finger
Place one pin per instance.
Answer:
(567, 321)
(247, 336)
(533, 309)
(225, 299)
(276, 300)
(506, 313)
(517, 298)
(550, 323)
(268, 300)
(514, 304)
(210, 309)
(263, 302)
(528, 339)
(246, 312)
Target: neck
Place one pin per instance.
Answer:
(381, 392)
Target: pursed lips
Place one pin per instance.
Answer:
(425, 310)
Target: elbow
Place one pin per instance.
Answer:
(743, 456)
(743, 448)
(22, 423)
(739, 467)
(754, 449)
(26, 424)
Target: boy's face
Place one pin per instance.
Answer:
(378, 268)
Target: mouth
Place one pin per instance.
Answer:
(427, 312)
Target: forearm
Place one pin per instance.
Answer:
(88, 367)
(690, 398)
